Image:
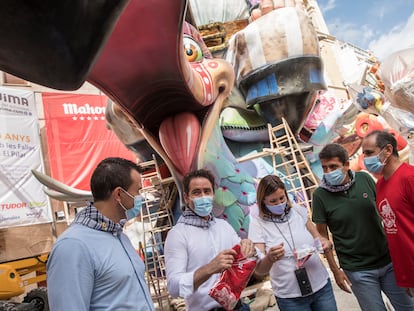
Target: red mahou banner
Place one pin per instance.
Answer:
(77, 136)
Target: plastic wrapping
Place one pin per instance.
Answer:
(303, 253)
(233, 281)
(397, 73)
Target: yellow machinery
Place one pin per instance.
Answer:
(15, 276)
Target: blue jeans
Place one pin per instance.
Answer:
(322, 300)
(367, 286)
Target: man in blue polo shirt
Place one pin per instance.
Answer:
(93, 265)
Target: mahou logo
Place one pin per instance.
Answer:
(84, 112)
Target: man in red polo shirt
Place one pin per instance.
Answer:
(395, 201)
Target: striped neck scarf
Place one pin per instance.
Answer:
(188, 217)
(339, 188)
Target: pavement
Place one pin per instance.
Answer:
(344, 301)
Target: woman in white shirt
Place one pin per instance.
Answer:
(289, 243)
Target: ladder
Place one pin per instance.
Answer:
(157, 219)
(288, 159)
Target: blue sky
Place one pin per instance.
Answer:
(377, 25)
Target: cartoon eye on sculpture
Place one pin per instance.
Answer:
(171, 97)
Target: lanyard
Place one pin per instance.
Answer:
(290, 231)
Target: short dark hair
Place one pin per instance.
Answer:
(195, 174)
(334, 151)
(109, 174)
(383, 138)
(268, 185)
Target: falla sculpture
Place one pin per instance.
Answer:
(169, 95)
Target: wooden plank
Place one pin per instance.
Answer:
(25, 241)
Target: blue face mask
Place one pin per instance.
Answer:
(203, 205)
(278, 209)
(373, 164)
(335, 178)
(136, 209)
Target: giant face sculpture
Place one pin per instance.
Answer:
(166, 81)
(166, 85)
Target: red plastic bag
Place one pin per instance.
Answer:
(233, 281)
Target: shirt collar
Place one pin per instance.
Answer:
(92, 218)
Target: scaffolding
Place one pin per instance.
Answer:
(288, 158)
(289, 163)
(157, 219)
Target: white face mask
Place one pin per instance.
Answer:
(277, 209)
